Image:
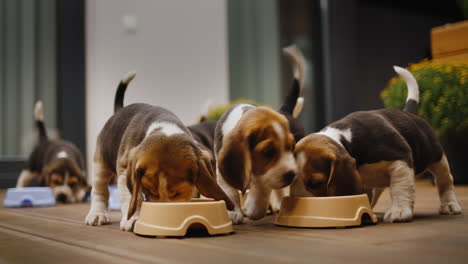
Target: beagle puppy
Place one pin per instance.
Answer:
(203, 132)
(254, 150)
(154, 157)
(57, 164)
(368, 151)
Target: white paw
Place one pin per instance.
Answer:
(237, 217)
(275, 207)
(96, 218)
(254, 212)
(450, 208)
(398, 214)
(127, 225)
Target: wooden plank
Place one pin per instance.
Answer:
(449, 39)
(17, 247)
(430, 238)
(456, 57)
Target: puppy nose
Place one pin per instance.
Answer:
(61, 198)
(289, 176)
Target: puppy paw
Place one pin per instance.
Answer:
(127, 225)
(398, 214)
(254, 212)
(450, 208)
(275, 207)
(237, 217)
(97, 218)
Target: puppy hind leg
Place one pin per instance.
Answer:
(444, 181)
(26, 176)
(402, 191)
(100, 196)
(237, 216)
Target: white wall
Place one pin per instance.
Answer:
(178, 49)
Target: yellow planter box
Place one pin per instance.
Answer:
(450, 42)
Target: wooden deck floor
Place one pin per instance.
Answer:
(58, 235)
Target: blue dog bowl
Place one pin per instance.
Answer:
(29, 197)
(114, 198)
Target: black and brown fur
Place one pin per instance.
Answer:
(367, 151)
(149, 163)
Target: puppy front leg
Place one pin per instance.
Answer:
(444, 181)
(100, 196)
(237, 216)
(277, 197)
(125, 198)
(25, 178)
(376, 192)
(402, 191)
(257, 201)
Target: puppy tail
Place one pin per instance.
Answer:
(206, 110)
(294, 102)
(119, 95)
(412, 100)
(39, 118)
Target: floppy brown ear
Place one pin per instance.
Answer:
(234, 162)
(75, 170)
(345, 177)
(206, 181)
(135, 177)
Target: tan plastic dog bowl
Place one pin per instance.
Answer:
(334, 211)
(174, 219)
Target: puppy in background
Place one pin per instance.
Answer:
(57, 164)
(254, 150)
(154, 157)
(368, 151)
(203, 133)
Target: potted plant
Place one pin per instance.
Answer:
(214, 113)
(443, 103)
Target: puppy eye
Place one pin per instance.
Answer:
(269, 152)
(56, 182)
(72, 184)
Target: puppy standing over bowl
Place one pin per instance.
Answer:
(254, 149)
(152, 153)
(367, 151)
(57, 164)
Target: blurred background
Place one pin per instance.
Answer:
(71, 55)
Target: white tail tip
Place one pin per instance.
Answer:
(38, 111)
(298, 108)
(297, 58)
(411, 83)
(128, 77)
(206, 107)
